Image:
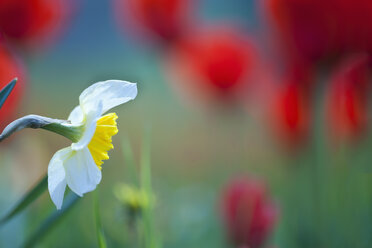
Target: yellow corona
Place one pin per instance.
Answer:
(101, 142)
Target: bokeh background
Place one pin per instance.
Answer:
(258, 111)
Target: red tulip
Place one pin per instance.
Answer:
(303, 26)
(248, 214)
(26, 21)
(347, 98)
(311, 30)
(164, 19)
(213, 64)
(290, 110)
(10, 68)
(354, 34)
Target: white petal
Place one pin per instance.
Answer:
(82, 174)
(76, 116)
(56, 176)
(111, 93)
(89, 127)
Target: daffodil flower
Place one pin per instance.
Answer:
(79, 165)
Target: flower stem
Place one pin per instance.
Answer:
(73, 133)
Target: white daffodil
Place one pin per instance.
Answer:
(79, 165)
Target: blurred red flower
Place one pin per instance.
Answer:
(31, 20)
(347, 97)
(10, 68)
(248, 214)
(213, 64)
(164, 19)
(311, 30)
(304, 27)
(290, 108)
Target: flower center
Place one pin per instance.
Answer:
(101, 142)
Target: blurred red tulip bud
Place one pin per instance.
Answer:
(31, 20)
(164, 19)
(248, 214)
(212, 65)
(290, 110)
(10, 68)
(347, 98)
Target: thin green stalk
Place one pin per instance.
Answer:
(99, 228)
(320, 164)
(135, 226)
(149, 237)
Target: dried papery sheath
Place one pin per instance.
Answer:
(61, 127)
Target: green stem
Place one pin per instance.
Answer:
(99, 229)
(148, 224)
(73, 133)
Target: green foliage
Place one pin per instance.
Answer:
(30, 197)
(53, 219)
(138, 198)
(150, 238)
(326, 195)
(97, 217)
(5, 92)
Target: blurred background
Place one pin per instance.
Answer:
(259, 115)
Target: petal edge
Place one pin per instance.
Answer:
(111, 93)
(57, 176)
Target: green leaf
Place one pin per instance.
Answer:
(4, 93)
(31, 196)
(99, 228)
(52, 221)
